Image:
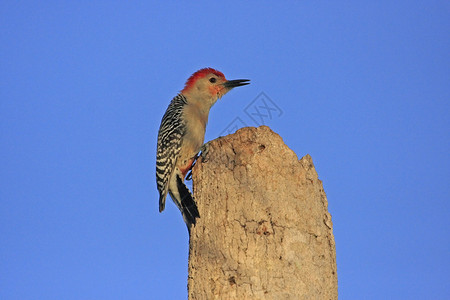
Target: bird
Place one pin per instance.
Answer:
(181, 136)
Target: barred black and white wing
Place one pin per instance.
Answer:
(170, 136)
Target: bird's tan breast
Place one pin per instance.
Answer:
(196, 120)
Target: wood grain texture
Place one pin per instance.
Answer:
(264, 230)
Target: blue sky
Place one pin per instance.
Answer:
(363, 87)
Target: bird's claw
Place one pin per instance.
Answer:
(204, 151)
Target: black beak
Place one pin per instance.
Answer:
(234, 83)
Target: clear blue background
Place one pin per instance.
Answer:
(364, 88)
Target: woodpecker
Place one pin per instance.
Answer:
(181, 135)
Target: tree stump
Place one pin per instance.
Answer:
(264, 230)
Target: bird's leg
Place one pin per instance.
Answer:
(202, 153)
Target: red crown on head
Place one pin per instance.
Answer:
(200, 74)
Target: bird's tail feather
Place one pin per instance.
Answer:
(188, 206)
(162, 202)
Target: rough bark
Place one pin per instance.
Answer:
(264, 230)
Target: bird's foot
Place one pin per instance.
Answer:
(204, 149)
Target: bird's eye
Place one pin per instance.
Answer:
(212, 80)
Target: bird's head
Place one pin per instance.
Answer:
(210, 85)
